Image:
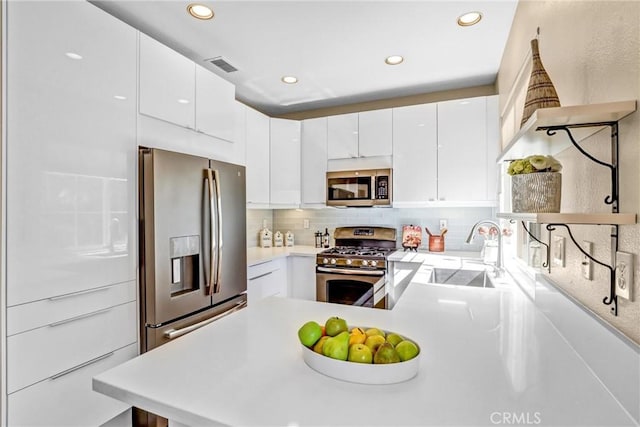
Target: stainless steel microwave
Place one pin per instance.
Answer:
(359, 188)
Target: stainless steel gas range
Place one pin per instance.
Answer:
(354, 272)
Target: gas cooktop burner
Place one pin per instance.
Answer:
(357, 251)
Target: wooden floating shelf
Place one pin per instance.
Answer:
(572, 218)
(532, 139)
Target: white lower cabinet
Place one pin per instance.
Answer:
(56, 347)
(266, 279)
(302, 277)
(68, 399)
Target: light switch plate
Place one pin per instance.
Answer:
(624, 275)
(587, 264)
(558, 251)
(443, 224)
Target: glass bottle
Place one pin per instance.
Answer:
(325, 238)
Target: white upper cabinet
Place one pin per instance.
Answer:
(415, 155)
(215, 105)
(462, 150)
(375, 133)
(493, 147)
(313, 165)
(257, 158)
(285, 162)
(342, 136)
(167, 83)
(71, 141)
(366, 134)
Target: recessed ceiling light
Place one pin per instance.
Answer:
(289, 80)
(394, 59)
(200, 11)
(470, 18)
(73, 55)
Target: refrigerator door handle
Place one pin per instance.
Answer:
(209, 281)
(213, 284)
(175, 333)
(217, 285)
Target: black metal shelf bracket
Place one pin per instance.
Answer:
(611, 199)
(612, 298)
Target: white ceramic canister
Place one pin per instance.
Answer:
(288, 239)
(265, 237)
(278, 240)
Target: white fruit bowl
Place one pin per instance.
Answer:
(363, 373)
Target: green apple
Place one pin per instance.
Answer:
(374, 331)
(374, 341)
(394, 339)
(318, 347)
(309, 333)
(386, 354)
(337, 347)
(407, 350)
(360, 353)
(334, 325)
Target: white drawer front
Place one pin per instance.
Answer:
(33, 315)
(47, 351)
(69, 400)
(261, 269)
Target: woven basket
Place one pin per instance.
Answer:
(541, 93)
(536, 192)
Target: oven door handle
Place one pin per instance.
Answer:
(351, 272)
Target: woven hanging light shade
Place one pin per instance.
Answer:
(541, 93)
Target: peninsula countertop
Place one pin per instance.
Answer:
(486, 354)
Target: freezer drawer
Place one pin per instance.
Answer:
(155, 337)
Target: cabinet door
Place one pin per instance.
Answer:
(462, 150)
(375, 133)
(342, 138)
(302, 277)
(313, 166)
(285, 162)
(257, 144)
(415, 154)
(71, 140)
(167, 83)
(493, 147)
(215, 105)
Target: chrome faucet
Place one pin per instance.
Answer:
(499, 268)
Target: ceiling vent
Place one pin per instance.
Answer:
(222, 64)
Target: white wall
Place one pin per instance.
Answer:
(591, 50)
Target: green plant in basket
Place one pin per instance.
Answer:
(533, 164)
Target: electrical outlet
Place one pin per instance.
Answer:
(624, 275)
(558, 251)
(305, 223)
(587, 264)
(443, 224)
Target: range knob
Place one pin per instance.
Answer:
(325, 260)
(348, 262)
(333, 260)
(374, 263)
(364, 262)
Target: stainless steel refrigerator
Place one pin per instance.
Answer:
(192, 243)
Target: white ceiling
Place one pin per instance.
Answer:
(335, 48)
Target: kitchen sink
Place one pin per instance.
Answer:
(461, 277)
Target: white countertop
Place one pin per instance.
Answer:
(486, 354)
(256, 255)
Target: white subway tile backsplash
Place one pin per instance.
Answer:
(460, 221)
